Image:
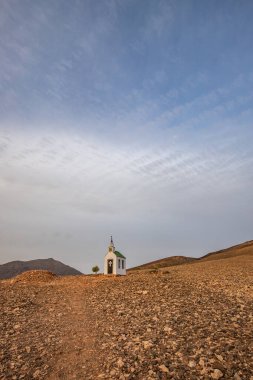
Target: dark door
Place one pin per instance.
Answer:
(110, 266)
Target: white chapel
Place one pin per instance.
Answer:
(115, 262)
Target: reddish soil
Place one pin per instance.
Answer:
(192, 321)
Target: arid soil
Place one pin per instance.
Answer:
(192, 321)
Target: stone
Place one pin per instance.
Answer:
(163, 368)
(192, 364)
(217, 374)
(220, 358)
(120, 363)
(36, 374)
(167, 329)
(147, 344)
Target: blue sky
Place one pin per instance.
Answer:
(131, 118)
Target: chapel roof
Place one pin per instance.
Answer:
(118, 254)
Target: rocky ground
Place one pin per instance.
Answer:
(192, 321)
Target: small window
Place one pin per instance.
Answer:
(119, 264)
(123, 264)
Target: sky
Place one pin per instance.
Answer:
(125, 118)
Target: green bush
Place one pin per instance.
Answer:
(95, 269)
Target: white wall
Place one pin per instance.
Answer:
(116, 269)
(120, 270)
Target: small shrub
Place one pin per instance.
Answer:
(95, 269)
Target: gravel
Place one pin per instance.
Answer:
(192, 321)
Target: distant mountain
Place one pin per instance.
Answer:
(14, 268)
(162, 263)
(236, 250)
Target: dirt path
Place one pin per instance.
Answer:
(77, 359)
(47, 331)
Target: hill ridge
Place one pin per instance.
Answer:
(223, 250)
(224, 253)
(13, 268)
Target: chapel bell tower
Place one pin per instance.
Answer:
(111, 247)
